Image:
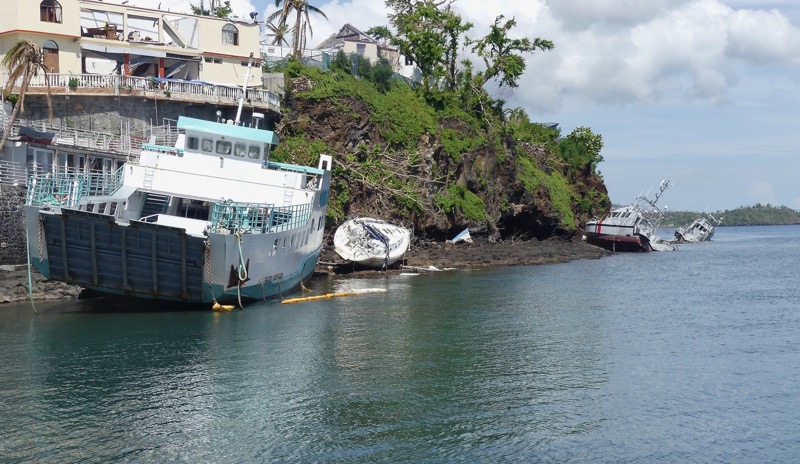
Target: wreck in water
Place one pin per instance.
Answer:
(700, 230)
(630, 228)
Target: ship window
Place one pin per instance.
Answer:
(193, 143)
(207, 146)
(230, 35)
(239, 149)
(50, 11)
(254, 152)
(319, 225)
(291, 242)
(275, 247)
(223, 147)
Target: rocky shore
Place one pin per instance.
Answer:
(14, 286)
(422, 254)
(480, 253)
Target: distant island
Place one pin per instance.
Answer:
(756, 215)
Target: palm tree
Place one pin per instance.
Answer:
(278, 33)
(302, 23)
(23, 61)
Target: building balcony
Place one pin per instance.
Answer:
(156, 88)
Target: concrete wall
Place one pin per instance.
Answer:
(12, 230)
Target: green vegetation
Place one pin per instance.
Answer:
(459, 199)
(219, 10)
(487, 149)
(756, 215)
(300, 150)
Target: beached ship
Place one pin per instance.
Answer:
(211, 219)
(371, 242)
(630, 228)
(700, 230)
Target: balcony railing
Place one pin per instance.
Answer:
(194, 91)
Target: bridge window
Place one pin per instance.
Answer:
(239, 149)
(230, 35)
(50, 11)
(193, 143)
(223, 147)
(254, 152)
(207, 146)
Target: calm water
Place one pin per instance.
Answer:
(691, 356)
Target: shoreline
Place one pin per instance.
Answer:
(422, 255)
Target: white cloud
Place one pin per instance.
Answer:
(241, 8)
(763, 37)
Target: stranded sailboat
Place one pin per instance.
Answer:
(371, 242)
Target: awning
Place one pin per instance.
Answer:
(129, 50)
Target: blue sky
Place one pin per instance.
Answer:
(705, 93)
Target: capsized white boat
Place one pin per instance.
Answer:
(371, 242)
(700, 230)
(630, 228)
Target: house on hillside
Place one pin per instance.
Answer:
(351, 41)
(94, 46)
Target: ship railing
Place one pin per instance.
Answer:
(293, 168)
(68, 187)
(257, 217)
(102, 183)
(169, 150)
(59, 189)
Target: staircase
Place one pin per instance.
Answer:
(155, 204)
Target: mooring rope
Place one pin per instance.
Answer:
(30, 272)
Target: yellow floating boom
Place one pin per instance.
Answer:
(333, 295)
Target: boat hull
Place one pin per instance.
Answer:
(371, 242)
(152, 261)
(622, 243)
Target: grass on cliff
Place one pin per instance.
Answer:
(403, 116)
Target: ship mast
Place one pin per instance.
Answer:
(244, 90)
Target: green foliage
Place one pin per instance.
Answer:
(382, 75)
(457, 198)
(430, 34)
(522, 129)
(401, 116)
(502, 55)
(298, 149)
(301, 11)
(755, 215)
(274, 67)
(456, 143)
(557, 187)
(221, 11)
(341, 64)
(581, 148)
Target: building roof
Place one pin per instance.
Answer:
(348, 33)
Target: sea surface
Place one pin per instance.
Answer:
(674, 357)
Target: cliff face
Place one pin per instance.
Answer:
(506, 189)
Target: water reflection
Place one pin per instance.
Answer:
(625, 357)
